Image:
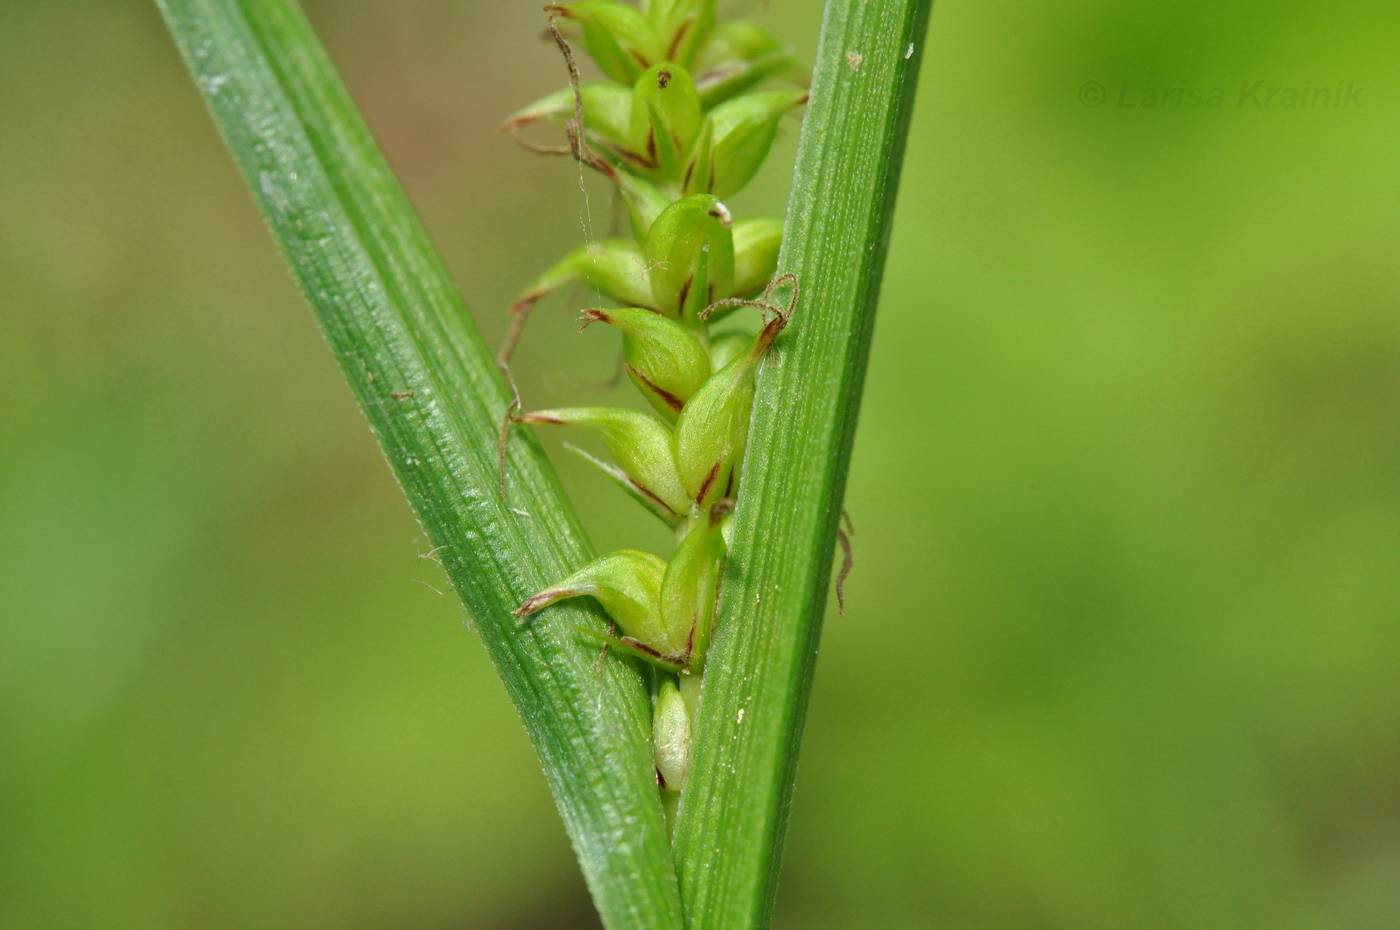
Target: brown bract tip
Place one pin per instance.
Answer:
(770, 331)
(541, 601)
(539, 418)
(592, 315)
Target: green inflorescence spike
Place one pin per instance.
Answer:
(679, 124)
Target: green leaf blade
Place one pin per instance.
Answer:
(734, 810)
(428, 386)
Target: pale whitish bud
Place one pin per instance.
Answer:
(691, 253)
(670, 735)
(663, 358)
(619, 38)
(640, 444)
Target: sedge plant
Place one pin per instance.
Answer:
(684, 116)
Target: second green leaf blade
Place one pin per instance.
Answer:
(431, 393)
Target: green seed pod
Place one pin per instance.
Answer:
(683, 26)
(607, 113)
(713, 428)
(691, 251)
(664, 121)
(691, 584)
(670, 735)
(732, 78)
(640, 444)
(663, 358)
(756, 245)
(614, 267)
(618, 37)
(740, 55)
(742, 132)
(735, 40)
(627, 583)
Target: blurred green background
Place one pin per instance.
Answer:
(1123, 639)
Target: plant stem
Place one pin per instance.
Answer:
(429, 388)
(734, 808)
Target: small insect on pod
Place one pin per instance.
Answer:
(678, 125)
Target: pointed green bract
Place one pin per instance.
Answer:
(691, 251)
(432, 393)
(614, 267)
(607, 112)
(627, 583)
(640, 444)
(664, 359)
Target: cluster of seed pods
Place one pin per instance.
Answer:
(677, 125)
